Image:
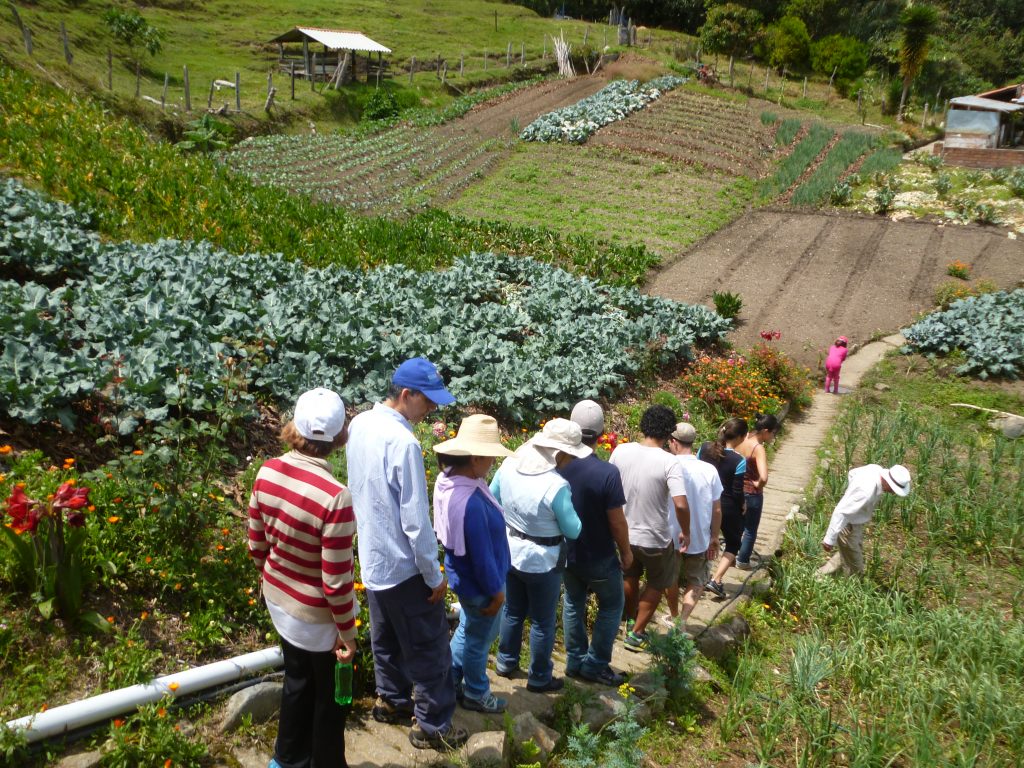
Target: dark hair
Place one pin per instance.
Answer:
(658, 422)
(766, 421)
(450, 461)
(731, 429)
(395, 391)
(317, 448)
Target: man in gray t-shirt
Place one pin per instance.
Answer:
(652, 479)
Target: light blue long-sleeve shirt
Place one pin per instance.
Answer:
(388, 484)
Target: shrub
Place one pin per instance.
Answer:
(951, 291)
(1015, 182)
(959, 269)
(730, 386)
(943, 184)
(787, 43)
(846, 56)
(381, 105)
(885, 194)
(791, 382)
(841, 193)
(727, 304)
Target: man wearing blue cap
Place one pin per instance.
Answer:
(405, 587)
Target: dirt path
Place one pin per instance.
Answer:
(814, 276)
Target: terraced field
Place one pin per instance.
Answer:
(404, 168)
(692, 128)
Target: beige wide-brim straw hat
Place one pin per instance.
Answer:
(478, 436)
(540, 453)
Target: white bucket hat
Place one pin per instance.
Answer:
(539, 454)
(478, 436)
(898, 479)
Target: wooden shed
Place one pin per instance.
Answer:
(330, 54)
(987, 130)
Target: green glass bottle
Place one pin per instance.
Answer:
(343, 683)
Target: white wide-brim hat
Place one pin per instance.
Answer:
(478, 436)
(540, 452)
(898, 478)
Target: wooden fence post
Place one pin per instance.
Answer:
(412, 68)
(238, 92)
(508, 56)
(924, 117)
(291, 69)
(444, 74)
(163, 93)
(138, 79)
(305, 56)
(209, 99)
(750, 76)
(828, 95)
(805, 86)
(270, 80)
(188, 92)
(782, 90)
(586, 34)
(522, 54)
(110, 70)
(462, 63)
(767, 71)
(312, 74)
(270, 99)
(27, 34)
(64, 40)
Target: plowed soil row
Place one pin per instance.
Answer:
(814, 276)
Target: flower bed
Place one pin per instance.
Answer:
(613, 102)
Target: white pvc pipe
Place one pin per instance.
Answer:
(59, 720)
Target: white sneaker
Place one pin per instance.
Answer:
(743, 566)
(668, 620)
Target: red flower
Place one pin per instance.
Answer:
(25, 512)
(69, 496)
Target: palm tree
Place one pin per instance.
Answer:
(917, 23)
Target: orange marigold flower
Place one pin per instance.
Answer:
(162, 712)
(174, 686)
(144, 615)
(110, 619)
(113, 519)
(5, 449)
(118, 723)
(137, 452)
(167, 762)
(91, 508)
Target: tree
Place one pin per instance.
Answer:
(846, 56)
(130, 28)
(917, 22)
(787, 43)
(730, 29)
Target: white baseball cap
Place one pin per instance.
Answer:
(319, 415)
(590, 416)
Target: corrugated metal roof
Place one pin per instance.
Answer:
(976, 102)
(334, 39)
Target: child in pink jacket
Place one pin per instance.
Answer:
(834, 361)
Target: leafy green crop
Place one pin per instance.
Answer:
(986, 328)
(615, 101)
(147, 329)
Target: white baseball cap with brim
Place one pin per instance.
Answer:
(540, 453)
(478, 435)
(897, 477)
(319, 415)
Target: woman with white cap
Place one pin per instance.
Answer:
(301, 527)
(539, 515)
(471, 528)
(854, 511)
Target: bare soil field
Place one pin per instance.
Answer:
(814, 276)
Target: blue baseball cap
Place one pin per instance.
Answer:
(421, 374)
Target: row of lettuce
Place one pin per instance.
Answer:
(182, 325)
(138, 189)
(616, 101)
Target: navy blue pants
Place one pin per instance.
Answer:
(410, 650)
(311, 729)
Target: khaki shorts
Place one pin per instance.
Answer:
(693, 572)
(659, 565)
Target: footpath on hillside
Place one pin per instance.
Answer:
(373, 745)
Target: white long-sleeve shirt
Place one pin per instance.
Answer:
(863, 492)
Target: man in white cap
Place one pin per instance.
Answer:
(854, 511)
(398, 563)
(593, 567)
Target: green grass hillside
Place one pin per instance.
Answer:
(215, 39)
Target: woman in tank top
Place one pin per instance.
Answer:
(731, 467)
(765, 428)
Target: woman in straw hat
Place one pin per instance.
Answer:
(471, 527)
(538, 515)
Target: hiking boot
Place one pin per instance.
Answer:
(507, 673)
(384, 712)
(554, 684)
(442, 741)
(716, 587)
(489, 704)
(635, 642)
(743, 566)
(606, 676)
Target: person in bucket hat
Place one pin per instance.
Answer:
(539, 515)
(845, 534)
(470, 525)
(405, 587)
(301, 526)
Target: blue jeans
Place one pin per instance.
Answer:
(751, 521)
(533, 596)
(604, 579)
(471, 644)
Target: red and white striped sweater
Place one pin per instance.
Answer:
(301, 528)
